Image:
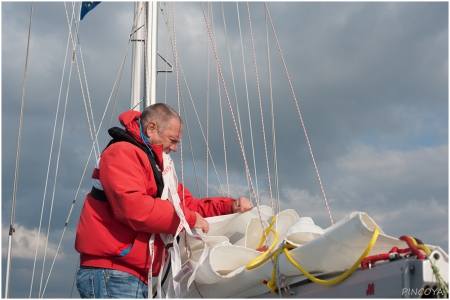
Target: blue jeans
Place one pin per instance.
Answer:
(107, 283)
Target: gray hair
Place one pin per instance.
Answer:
(161, 114)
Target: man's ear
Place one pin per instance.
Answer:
(151, 126)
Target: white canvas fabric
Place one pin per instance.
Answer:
(224, 273)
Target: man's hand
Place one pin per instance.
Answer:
(201, 223)
(241, 205)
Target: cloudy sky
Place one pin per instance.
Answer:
(370, 79)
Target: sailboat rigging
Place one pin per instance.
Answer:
(299, 237)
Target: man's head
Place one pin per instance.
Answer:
(162, 125)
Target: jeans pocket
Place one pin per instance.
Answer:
(123, 285)
(85, 284)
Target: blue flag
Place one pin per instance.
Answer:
(87, 7)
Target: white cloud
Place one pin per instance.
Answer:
(24, 244)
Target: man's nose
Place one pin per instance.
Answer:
(173, 147)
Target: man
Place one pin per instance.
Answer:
(124, 207)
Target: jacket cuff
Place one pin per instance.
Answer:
(229, 207)
(192, 219)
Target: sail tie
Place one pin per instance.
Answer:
(178, 272)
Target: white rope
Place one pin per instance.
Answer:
(300, 115)
(199, 123)
(74, 277)
(234, 122)
(177, 80)
(56, 176)
(260, 106)
(92, 129)
(201, 129)
(16, 171)
(231, 68)
(248, 109)
(207, 106)
(48, 165)
(59, 148)
(79, 187)
(67, 221)
(221, 110)
(272, 113)
(118, 78)
(185, 116)
(97, 150)
(166, 20)
(231, 110)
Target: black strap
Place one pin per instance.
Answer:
(98, 194)
(120, 135)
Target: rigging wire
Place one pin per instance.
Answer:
(89, 112)
(166, 20)
(234, 119)
(134, 29)
(117, 82)
(224, 84)
(272, 113)
(199, 123)
(95, 141)
(299, 113)
(232, 114)
(201, 128)
(207, 106)
(232, 78)
(49, 163)
(167, 55)
(177, 80)
(73, 61)
(248, 103)
(74, 277)
(16, 171)
(260, 105)
(221, 110)
(56, 175)
(67, 223)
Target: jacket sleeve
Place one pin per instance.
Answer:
(127, 179)
(206, 207)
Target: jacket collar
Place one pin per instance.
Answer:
(129, 120)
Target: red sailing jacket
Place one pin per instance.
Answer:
(132, 213)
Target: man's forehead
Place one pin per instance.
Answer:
(176, 127)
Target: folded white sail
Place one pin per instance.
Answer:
(233, 239)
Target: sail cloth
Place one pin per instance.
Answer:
(233, 239)
(228, 262)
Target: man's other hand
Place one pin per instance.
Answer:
(241, 205)
(201, 223)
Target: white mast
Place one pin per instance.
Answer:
(137, 37)
(146, 24)
(151, 53)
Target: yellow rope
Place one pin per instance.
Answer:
(266, 255)
(272, 284)
(421, 246)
